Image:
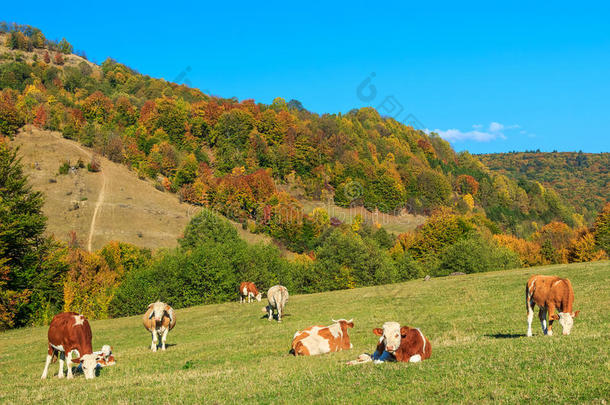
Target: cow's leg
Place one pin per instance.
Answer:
(542, 317)
(163, 338)
(279, 313)
(530, 318)
(153, 345)
(69, 363)
(241, 299)
(416, 358)
(61, 356)
(551, 312)
(46, 366)
(270, 312)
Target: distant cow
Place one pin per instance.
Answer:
(550, 293)
(247, 291)
(159, 319)
(322, 339)
(277, 297)
(70, 331)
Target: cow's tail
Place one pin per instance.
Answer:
(54, 357)
(527, 297)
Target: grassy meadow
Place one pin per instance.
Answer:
(228, 353)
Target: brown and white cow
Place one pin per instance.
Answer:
(550, 293)
(396, 343)
(277, 297)
(70, 331)
(322, 339)
(159, 319)
(247, 291)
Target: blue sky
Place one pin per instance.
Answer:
(487, 77)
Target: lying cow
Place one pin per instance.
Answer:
(159, 319)
(322, 339)
(247, 291)
(70, 331)
(396, 343)
(277, 297)
(550, 293)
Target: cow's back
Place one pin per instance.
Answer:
(551, 290)
(70, 330)
(277, 296)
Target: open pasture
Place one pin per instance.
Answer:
(229, 353)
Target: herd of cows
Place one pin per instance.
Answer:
(70, 332)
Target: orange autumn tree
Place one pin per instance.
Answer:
(529, 252)
(89, 285)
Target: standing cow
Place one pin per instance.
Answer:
(322, 339)
(550, 293)
(159, 319)
(70, 331)
(247, 291)
(277, 297)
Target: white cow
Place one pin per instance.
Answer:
(277, 297)
(159, 319)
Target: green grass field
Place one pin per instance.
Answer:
(228, 354)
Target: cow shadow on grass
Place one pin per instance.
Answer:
(505, 335)
(167, 346)
(275, 316)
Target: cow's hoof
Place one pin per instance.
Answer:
(529, 334)
(550, 333)
(70, 376)
(60, 376)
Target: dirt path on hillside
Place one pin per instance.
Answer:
(100, 196)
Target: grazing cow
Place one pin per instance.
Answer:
(550, 293)
(70, 331)
(159, 319)
(248, 290)
(322, 339)
(277, 297)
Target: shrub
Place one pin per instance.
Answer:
(94, 166)
(64, 168)
(476, 254)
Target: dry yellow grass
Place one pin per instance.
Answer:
(130, 210)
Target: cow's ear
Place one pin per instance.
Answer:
(150, 305)
(575, 314)
(378, 331)
(170, 312)
(554, 317)
(403, 331)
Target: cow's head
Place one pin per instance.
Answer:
(566, 320)
(345, 343)
(159, 309)
(391, 333)
(259, 296)
(88, 363)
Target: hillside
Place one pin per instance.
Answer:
(128, 209)
(228, 354)
(581, 179)
(237, 155)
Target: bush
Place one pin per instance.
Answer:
(94, 166)
(476, 254)
(64, 168)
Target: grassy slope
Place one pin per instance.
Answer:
(475, 324)
(132, 211)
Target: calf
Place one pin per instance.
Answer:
(550, 293)
(248, 290)
(159, 319)
(70, 331)
(322, 339)
(277, 297)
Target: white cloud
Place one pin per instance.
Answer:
(495, 130)
(496, 127)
